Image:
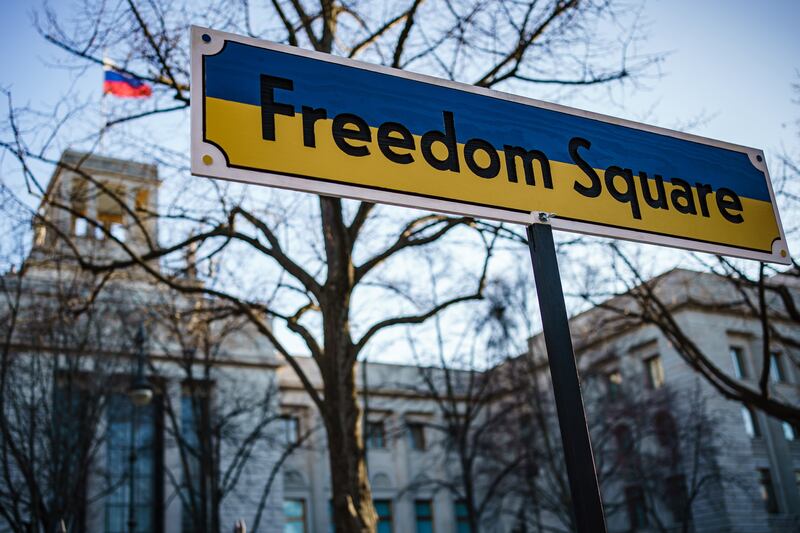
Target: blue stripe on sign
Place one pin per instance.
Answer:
(233, 74)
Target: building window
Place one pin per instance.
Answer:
(624, 441)
(291, 429)
(789, 431)
(777, 374)
(678, 499)
(751, 426)
(767, 491)
(654, 372)
(614, 385)
(294, 516)
(131, 429)
(637, 512)
(462, 517)
(423, 511)
(375, 435)
(739, 366)
(197, 448)
(142, 200)
(73, 429)
(110, 213)
(665, 428)
(416, 434)
(384, 510)
(79, 200)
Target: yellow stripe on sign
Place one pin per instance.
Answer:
(236, 128)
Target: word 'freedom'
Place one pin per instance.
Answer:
(397, 144)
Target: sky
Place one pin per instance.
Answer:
(730, 63)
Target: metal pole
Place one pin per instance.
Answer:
(586, 501)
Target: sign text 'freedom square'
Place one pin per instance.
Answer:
(280, 116)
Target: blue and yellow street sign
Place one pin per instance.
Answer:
(276, 115)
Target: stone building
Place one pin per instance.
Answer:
(78, 363)
(756, 487)
(741, 473)
(282, 480)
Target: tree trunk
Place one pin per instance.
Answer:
(353, 511)
(352, 498)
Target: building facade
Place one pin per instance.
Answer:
(230, 433)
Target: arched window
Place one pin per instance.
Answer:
(624, 441)
(665, 428)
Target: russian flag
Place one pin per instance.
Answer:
(123, 84)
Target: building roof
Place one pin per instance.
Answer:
(677, 289)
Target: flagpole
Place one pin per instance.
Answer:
(103, 106)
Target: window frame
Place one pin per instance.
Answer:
(767, 488)
(462, 519)
(613, 384)
(384, 519)
(303, 515)
(369, 434)
(624, 443)
(291, 422)
(751, 425)
(678, 496)
(777, 369)
(635, 494)
(790, 431)
(419, 444)
(196, 398)
(427, 518)
(156, 408)
(654, 379)
(739, 361)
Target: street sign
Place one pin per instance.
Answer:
(275, 115)
(285, 117)
(290, 118)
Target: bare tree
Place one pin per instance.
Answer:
(655, 454)
(663, 455)
(55, 382)
(482, 428)
(768, 294)
(338, 254)
(222, 424)
(470, 440)
(771, 300)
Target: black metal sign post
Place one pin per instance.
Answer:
(586, 501)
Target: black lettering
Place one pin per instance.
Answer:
(386, 142)
(527, 157)
(448, 138)
(660, 201)
(629, 194)
(341, 134)
(703, 191)
(269, 107)
(727, 200)
(593, 190)
(472, 146)
(310, 116)
(682, 191)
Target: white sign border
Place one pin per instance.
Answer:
(218, 168)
